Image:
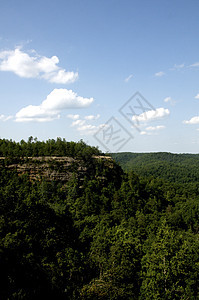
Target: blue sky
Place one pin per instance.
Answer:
(68, 67)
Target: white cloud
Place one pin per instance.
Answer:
(176, 67)
(193, 120)
(167, 99)
(92, 117)
(84, 128)
(78, 122)
(151, 115)
(197, 96)
(73, 117)
(5, 118)
(170, 100)
(159, 74)
(179, 66)
(153, 128)
(50, 108)
(128, 78)
(26, 66)
(62, 77)
(143, 133)
(88, 129)
(82, 125)
(195, 64)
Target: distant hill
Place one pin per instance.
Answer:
(180, 168)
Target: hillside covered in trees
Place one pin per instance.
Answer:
(175, 168)
(101, 233)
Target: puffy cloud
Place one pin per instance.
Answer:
(60, 99)
(73, 117)
(128, 78)
(61, 77)
(26, 66)
(88, 129)
(151, 115)
(50, 108)
(159, 74)
(92, 117)
(197, 96)
(36, 114)
(152, 130)
(84, 128)
(194, 120)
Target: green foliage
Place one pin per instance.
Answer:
(35, 148)
(178, 168)
(170, 266)
(100, 234)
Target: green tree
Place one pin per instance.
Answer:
(170, 267)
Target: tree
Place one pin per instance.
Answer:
(170, 267)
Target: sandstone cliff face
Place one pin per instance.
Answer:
(53, 168)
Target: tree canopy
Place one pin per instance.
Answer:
(102, 234)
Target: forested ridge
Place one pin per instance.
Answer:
(101, 234)
(181, 168)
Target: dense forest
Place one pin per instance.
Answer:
(179, 168)
(103, 233)
(182, 170)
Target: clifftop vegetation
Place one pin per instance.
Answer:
(100, 233)
(51, 147)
